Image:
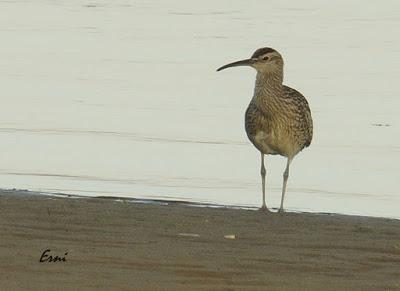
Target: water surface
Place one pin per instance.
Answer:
(121, 98)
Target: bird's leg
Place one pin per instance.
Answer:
(285, 178)
(263, 172)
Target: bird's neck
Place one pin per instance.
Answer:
(268, 90)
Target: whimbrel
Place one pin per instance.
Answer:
(278, 119)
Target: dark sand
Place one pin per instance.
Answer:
(130, 246)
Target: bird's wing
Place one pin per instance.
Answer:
(300, 105)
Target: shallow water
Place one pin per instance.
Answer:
(122, 99)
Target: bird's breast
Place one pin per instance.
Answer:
(267, 134)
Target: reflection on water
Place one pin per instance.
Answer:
(122, 99)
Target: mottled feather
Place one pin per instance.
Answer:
(285, 125)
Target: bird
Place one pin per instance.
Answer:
(278, 119)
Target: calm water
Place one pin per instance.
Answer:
(122, 98)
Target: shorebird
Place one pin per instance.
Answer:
(278, 119)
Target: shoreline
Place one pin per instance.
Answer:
(116, 244)
(187, 203)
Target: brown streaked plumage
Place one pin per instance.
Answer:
(262, 51)
(278, 118)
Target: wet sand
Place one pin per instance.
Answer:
(119, 245)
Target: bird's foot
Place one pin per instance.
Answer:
(281, 210)
(264, 209)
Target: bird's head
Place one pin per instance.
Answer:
(265, 60)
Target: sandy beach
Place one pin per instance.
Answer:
(120, 245)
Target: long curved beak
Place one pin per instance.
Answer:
(247, 62)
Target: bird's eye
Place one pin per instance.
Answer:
(265, 58)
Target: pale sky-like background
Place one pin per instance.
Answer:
(121, 98)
